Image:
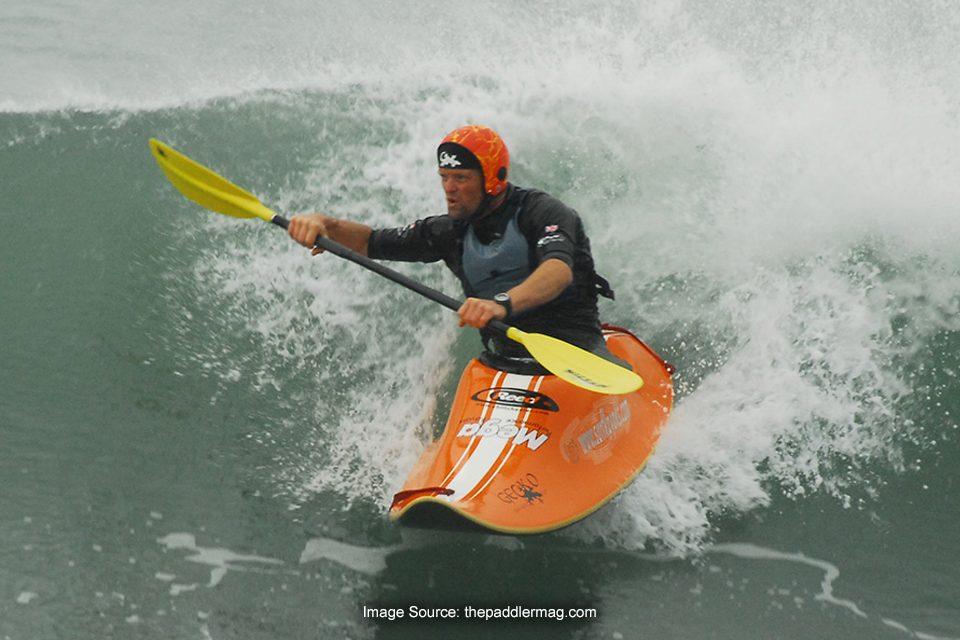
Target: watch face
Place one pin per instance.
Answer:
(504, 300)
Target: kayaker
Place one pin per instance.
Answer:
(521, 255)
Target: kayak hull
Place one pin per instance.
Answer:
(524, 454)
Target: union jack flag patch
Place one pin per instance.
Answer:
(550, 228)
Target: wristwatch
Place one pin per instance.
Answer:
(503, 299)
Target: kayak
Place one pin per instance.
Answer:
(525, 454)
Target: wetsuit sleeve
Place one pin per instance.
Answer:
(422, 241)
(552, 228)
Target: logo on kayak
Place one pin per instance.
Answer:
(594, 436)
(512, 397)
(505, 429)
(525, 488)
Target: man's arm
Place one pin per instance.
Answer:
(543, 285)
(305, 229)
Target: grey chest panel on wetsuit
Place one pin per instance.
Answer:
(499, 265)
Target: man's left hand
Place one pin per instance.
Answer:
(477, 313)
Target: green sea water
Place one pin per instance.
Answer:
(201, 426)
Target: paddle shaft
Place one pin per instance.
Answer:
(338, 249)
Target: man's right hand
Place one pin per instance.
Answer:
(305, 229)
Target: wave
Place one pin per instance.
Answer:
(770, 188)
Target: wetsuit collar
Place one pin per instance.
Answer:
(489, 206)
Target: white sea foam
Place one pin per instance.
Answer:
(779, 222)
(218, 559)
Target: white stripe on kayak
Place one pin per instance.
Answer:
(467, 450)
(488, 449)
(536, 387)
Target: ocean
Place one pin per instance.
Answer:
(201, 425)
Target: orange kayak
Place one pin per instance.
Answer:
(531, 453)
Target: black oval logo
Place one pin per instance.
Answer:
(516, 398)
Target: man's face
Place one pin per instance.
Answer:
(464, 191)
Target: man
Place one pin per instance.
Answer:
(521, 255)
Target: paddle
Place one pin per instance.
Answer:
(566, 361)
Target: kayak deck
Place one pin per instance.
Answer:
(531, 453)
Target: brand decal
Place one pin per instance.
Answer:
(448, 160)
(594, 384)
(545, 240)
(403, 231)
(505, 429)
(593, 436)
(525, 488)
(606, 427)
(517, 398)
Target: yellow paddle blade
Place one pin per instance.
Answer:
(577, 366)
(205, 187)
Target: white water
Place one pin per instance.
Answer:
(771, 188)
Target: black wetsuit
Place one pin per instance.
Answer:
(551, 230)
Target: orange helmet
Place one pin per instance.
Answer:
(485, 150)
